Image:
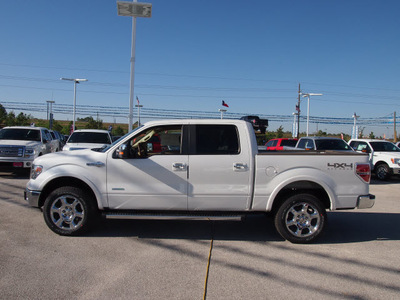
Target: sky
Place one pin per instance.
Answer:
(191, 55)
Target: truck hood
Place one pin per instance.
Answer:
(387, 154)
(32, 144)
(80, 146)
(77, 157)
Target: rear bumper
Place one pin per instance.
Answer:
(366, 201)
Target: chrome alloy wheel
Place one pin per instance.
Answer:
(67, 212)
(302, 219)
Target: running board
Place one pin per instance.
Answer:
(177, 216)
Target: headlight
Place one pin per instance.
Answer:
(395, 161)
(29, 152)
(36, 170)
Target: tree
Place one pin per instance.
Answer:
(118, 131)
(321, 133)
(279, 132)
(372, 135)
(93, 124)
(3, 114)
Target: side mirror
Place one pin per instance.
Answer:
(122, 151)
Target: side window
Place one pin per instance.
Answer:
(270, 143)
(216, 140)
(302, 143)
(163, 140)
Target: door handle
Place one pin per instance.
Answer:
(239, 167)
(179, 166)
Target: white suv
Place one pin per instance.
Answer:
(384, 156)
(87, 139)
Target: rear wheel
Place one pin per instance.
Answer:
(69, 211)
(382, 171)
(301, 218)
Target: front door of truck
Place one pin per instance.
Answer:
(219, 168)
(149, 171)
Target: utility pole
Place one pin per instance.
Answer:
(298, 113)
(395, 132)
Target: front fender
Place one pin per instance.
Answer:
(95, 180)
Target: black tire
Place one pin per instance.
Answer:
(301, 219)
(382, 171)
(69, 211)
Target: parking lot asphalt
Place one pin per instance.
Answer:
(357, 258)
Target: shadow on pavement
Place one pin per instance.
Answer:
(343, 227)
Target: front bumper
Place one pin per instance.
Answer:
(366, 201)
(396, 170)
(32, 197)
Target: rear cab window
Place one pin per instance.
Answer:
(215, 140)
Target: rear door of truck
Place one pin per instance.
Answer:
(220, 166)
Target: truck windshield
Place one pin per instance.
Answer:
(384, 147)
(20, 134)
(89, 137)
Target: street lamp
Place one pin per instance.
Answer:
(133, 9)
(75, 80)
(308, 106)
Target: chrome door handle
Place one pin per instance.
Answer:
(239, 167)
(179, 166)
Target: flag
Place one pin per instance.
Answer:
(224, 104)
(137, 99)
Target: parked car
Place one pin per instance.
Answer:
(322, 143)
(58, 138)
(281, 144)
(20, 145)
(384, 156)
(87, 139)
(397, 144)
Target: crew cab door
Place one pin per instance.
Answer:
(219, 168)
(149, 171)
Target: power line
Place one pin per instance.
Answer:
(121, 111)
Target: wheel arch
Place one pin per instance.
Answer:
(66, 181)
(302, 187)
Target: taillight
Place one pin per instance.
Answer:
(364, 172)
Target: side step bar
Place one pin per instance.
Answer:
(176, 216)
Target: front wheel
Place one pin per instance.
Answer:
(301, 218)
(69, 211)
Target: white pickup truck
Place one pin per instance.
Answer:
(384, 156)
(20, 145)
(197, 169)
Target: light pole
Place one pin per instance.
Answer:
(308, 95)
(138, 106)
(294, 131)
(75, 80)
(354, 134)
(50, 103)
(133, 9)
(222, 111)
